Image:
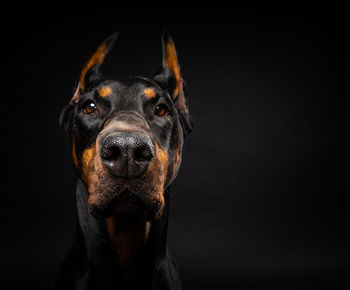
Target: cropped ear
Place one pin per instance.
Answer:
(90, 71)
(88, 75)
(169, 78)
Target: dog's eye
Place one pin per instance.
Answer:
(90, 108)
(161, 110)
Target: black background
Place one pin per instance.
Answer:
(260, 201)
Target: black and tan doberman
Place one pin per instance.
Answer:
(126, 140)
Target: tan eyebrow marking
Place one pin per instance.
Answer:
(149, 93)
(105, 91)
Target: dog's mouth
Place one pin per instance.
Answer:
(129, 203)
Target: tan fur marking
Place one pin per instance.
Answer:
(181, 102)
(105, 91)
(87, 157)
(163, 158)
(96, 59)
(123, 126)
(74, 155)
(127, 236)
(157, 174)
(148, 228)
(149, 93)
(172, 63)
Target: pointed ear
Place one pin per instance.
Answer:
(90, 71)
(169, 78)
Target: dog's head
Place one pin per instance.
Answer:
(127, 136)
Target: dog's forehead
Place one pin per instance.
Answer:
(116, 90)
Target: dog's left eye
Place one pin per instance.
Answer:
(90, 108)
(161, 110)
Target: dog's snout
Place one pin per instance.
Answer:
(126, 154)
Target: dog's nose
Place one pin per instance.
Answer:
(126, 154)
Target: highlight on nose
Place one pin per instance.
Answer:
(126, 154)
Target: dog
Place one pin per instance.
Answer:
(126, 141)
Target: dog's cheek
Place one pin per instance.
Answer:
(163, 161)
(99, 192)
(101, 187)
(153, 182)
(92, 173)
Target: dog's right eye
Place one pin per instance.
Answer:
(161, 110)
(90, 108)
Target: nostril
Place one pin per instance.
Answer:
(110, 150)
(143, 153)
(110, 153)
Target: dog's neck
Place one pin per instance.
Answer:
(125, 244)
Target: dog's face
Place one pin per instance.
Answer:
(127, 136)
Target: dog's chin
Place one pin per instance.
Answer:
(128, 203)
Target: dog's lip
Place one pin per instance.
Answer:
(126, 193)
(128, 201)
(128, 198)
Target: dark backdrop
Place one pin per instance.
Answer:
(260, 201)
